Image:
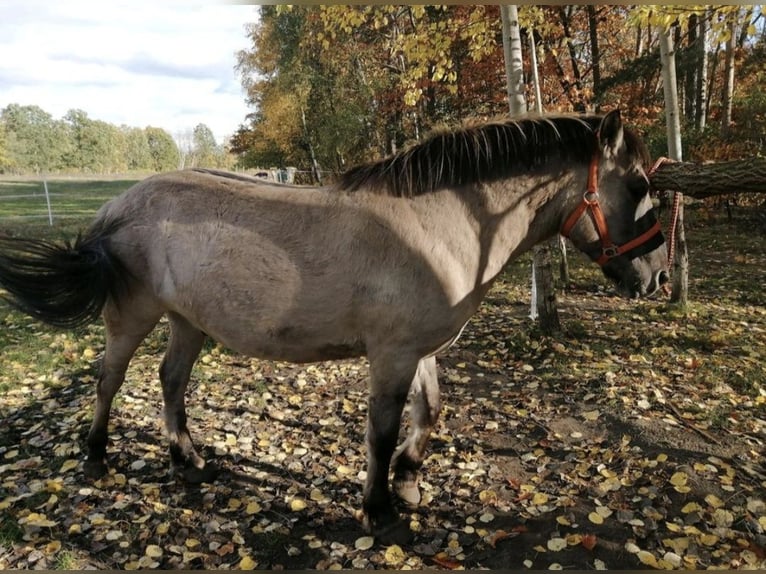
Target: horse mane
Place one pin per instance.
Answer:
(483, 153)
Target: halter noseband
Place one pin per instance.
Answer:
(590, 204)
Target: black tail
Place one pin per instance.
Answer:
(65, 285)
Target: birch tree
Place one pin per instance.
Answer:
(543, 305)
(680, 262)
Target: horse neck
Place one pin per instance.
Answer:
(507, 217)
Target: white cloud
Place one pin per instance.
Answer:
(168, 64)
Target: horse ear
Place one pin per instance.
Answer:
(610, 131)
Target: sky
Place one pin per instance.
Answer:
(160, 63)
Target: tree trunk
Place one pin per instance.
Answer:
(514, 71)
(710, 179)
(547, 311)
(544, 295)
(680, 263)
(691, 70)
(535, 73)
(728, 78)
(700, 111)
(595, 55)
(566, 21)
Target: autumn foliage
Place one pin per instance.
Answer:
(351, 83)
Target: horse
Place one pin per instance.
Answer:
(389, 262)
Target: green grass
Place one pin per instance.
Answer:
(23, 207)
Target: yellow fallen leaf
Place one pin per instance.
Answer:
(714, 501)
(487, 496)
(253, 508)
(556, 544)
(603, 511)
(691, 507)
(52, 547)
(247, 563)
(68, 465)
(596, 518)
(153, 551)
(679, 479)
(191, 543)
(591, 415)
(317, 495)
(563, 520)
(647, 558)
(163, 528)
(37, 519)
(539, 498)
(394, 555)
(708, 539)
(53, 486)
(297, 504)
(364, 543)
(574, 539)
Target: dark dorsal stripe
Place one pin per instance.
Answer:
(481, 153)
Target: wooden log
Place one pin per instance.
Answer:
(701, 180)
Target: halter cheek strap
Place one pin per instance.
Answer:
(591, 205)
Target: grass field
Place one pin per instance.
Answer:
(23, 206)
(634, 438)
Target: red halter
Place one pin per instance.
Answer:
(590, 203)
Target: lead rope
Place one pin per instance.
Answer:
(673, 217)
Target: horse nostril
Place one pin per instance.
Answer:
(663, 277)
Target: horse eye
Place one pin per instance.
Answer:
(638, 186)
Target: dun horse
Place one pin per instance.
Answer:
(389, 262)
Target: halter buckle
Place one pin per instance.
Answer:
(590, 197)
(610, 251)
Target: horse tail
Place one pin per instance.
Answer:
(63, 284)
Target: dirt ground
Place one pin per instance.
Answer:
(633, 440)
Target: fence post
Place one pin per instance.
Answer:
(48, 202)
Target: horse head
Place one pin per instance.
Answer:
(614, 223)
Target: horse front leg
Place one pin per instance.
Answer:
(389, 385)
(425, 407)
(183, 349)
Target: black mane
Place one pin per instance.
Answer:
(482, 153)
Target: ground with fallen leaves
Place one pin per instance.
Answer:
(635, 439)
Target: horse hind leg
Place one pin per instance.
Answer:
(124, 333)
(425, 407)
(183, 349)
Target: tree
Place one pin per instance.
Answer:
(680, 262)
(205, 150)
(5, 161)
(35, 141)
(97, 146)
(137, 156)
(162, 149)
(543, 293)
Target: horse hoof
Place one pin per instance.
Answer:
(408, 492)
(95, 469)
(396, 533)
(194, 475)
